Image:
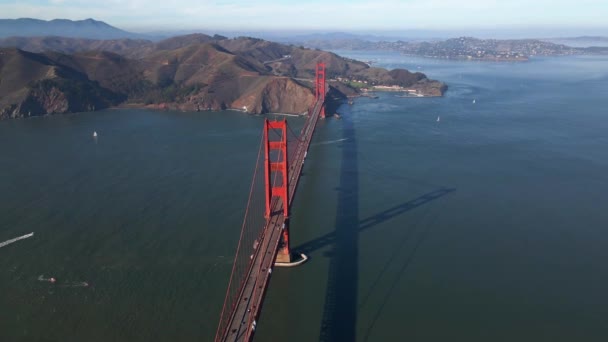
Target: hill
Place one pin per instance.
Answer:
(193, 72)
(34, 84)
(72, 45)
(466, 48)
(89, 28)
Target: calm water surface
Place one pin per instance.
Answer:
(489, 225)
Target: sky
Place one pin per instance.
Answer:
(328, 15)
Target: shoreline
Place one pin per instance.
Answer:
(473, 59)
(332, 103)
(165, 108)
(403, 92)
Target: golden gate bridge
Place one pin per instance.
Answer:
(264, 238)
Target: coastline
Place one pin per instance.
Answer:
(332, 103)
(471, 58)
(173, 107)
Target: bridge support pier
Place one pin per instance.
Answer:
(284, 254)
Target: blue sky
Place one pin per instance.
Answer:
(141, 15)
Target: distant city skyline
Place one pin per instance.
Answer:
(554, 17)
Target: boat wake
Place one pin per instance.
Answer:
(66, 284)
(76, 284)
(8, 242)
(329, 142)
(50, 280)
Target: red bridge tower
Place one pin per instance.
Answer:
(320, 86)
(276, 170)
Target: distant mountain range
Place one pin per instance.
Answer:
(582, 38)
(462, 48)
(89, 28)
(193, 73)
(337, 36)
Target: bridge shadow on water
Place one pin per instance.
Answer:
(339, 320)
(340, 311)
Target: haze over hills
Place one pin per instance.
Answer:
(72, 45)
(88, 28)
(582, 41)
(194, 72)
(462, 48)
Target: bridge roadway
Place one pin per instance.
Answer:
(243, 320)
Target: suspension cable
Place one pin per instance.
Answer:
(234, 266)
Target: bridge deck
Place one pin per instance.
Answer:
(242, 323)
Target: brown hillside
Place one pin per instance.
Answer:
(305, 60)
(111, 71)
(38, 84)
(275, 95)
(197, 64)
(174, 43)
(193, 72)
(256, 49)
(183, 41)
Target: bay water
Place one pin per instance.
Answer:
(477, 216)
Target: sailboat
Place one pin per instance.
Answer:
(473, 101)
(94, 134)
(438, 119)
